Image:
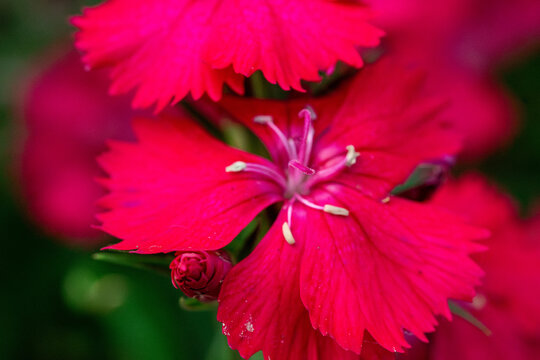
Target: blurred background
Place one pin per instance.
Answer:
(59, 303)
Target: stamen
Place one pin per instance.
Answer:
(350, 158)
(236, 167)
(263, 119)
(268, 120)
(287, 234)
(239, 166)
(271, 173)
(308, 203)
(386, 200)
(299, 166)
(336, 210)
(289, 211)
(331, 209)
(479, 302)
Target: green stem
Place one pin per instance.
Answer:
(258, 85)
(156, 263)
(467, 316)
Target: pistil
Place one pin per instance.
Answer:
(294, 181)
(303, 168)
(303, 155)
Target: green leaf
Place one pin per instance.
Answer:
(257, 356)
(262, 89)
(467, 316)
(421, 174)
(156, 263)
(191, 304)
(238, 243)
(219, 350)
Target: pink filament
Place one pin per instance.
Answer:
(268, 172)
(328, 172)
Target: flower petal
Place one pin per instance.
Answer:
(511, 262)
(170, 48)
(154, 46)
(484, 112)
(385, 268)
(480, 202)
(260, 306)
(391, 123)
(460, 340)
(278, 37)
(462, 42)
(170, 191)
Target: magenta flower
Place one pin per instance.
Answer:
(68, 117)
(463, 43)
(344, 261)
(169, 48)
(507, 301)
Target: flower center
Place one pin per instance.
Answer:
(298, 178)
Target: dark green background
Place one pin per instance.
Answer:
(57, 303)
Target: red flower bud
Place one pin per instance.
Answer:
(199, 274)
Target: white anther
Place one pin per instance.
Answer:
(479, 302)
(287, 234)
(336, 210)
(386, 200)
(236, 167)
(263, 119)
(350, 158)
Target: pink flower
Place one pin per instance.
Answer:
(169, 48)
(507, 302)
(345, 263)
(462, 43)
(68, 116)
(199, 274)
(476, 34)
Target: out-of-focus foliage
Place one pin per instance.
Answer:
(517, 166)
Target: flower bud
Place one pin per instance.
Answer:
(199, 274)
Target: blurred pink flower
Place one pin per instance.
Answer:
(507, 302)
(344, 264)
(170, 48)
(68, 116)
(462, 42)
